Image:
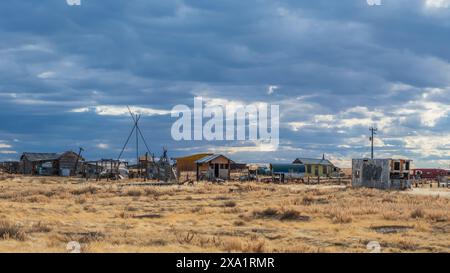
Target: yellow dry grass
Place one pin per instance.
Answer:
(39, 214)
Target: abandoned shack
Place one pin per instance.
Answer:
(213, 167)
(318, 167)
(187, 164)
(381, 173)
(64, 164)
(69, 164)
(39, 163)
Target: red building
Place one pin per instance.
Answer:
(430, 173)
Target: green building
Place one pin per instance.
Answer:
(318, 167)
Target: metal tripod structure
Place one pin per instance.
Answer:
(161, 170)
(138, 134)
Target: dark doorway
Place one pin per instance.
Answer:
(216, 170)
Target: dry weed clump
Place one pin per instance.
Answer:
(133, 192)
(340, 217)
(11, 231)
(245, 245)
(417, 213)
(230, 204)
(437, 216)
(85, 190)
(39, 227)
(283, 215)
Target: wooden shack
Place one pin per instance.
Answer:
(213, 167)
(39, 163)
(70, 164)
(65, 164)
(186, 166)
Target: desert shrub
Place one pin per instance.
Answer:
(133, 192)
(267, 213)
(307, 200)
(391, 215)
(229, 204)
(292, 215)
(40, 227)
(80, 200)
(184, 237)
(244, 245)
(11, 231)
(239, 223)
(152, 192)
(285, 215)
(157, 242)
(437, 217)
(417, 213)
(38, 199)
(84, 190)
(254, 246)
(90, 209)
(341, 218)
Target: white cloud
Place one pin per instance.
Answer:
(297, 125)
(112, 110)
(272, 89)
(437, 3)
(103, 146)
(8, 152)
(80, 110)
(347, 119)
(429, 145)
(256, 146)
(46, 75)
(429, 112)
(4, 146)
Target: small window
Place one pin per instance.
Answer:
(407, 165)
(225, 166)
(356, 174)
(396, 166)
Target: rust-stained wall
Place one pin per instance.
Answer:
(376, 173)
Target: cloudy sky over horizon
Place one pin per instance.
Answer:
(334, 67)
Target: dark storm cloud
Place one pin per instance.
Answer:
(335, 64)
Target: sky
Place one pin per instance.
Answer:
(335, 68)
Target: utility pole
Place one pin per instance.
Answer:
(373, 130)
(137, 149)
(78, 159)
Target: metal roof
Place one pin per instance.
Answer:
(287, 168)
(313, 161)
(210, 158)
(34, 157)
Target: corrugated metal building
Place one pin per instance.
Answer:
(187, 163)
(288, 171)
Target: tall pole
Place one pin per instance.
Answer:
(137, 149)
(373, 131)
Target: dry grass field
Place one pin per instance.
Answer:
(39, 214)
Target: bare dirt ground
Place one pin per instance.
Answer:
(39, 214)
